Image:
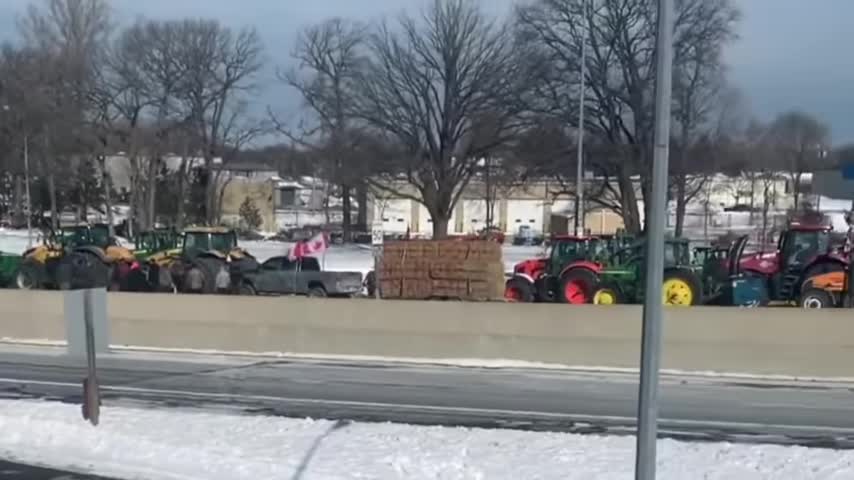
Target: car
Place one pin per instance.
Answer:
(282, 275)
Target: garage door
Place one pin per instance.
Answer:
(524, 212)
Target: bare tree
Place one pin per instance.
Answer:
(620, 75)
(328, 57)
(447, 89)
(70, 38)
(218, 69)
(801, 141)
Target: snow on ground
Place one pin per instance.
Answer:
(180, 444)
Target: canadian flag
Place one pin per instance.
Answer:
(315, 244)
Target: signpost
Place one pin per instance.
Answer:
(91, 392)
(652, 306)
(377, 238)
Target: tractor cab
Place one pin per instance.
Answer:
(82, 235)
(200, 240)
(151, 242)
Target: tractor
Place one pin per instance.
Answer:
(828, 290)
(78, 256)
(622, 279)
(9, 265)
(803, 252)
(207, 262)
(568, 274)
(151, 242)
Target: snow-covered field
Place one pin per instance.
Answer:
(178, 444)
(357, 258)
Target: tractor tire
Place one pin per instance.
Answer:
(201, 277)
(681, 288)
(248, 289)
(607, 295)
(519, 290)
(816, 298)
(577, 286)
(30, 275)
(82, 270)
(371, 283)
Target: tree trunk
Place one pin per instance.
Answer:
(151, 192)
(182, 190)
(440, 225)
(18, 200)
(362, 210)
(108, 198)
(51, 191)
(346, 210)
(681, 206)
(752, 196)
(796, 188)
(628, 203)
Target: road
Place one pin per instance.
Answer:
(19, 471)
(691, 407)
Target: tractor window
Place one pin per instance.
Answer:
(223, 242)
(100, 236)
(801, 246)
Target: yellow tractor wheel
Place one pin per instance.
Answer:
(606, 296)
(680, 288)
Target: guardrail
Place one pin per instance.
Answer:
(792, 342)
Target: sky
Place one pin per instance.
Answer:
(790, 54)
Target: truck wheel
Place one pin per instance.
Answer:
(247, 288)
(817, 298)
(577, 286)
(317, 292)
(518, 290)
(680, 288)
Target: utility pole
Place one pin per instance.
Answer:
(27, 191)
(579, 160)
(652, 307)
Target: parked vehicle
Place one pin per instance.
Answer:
(803, 251)
(527, 236)
(207, 261)
(567, 274)
(78, 256)
(622, 279)
(9, 265)
(303, 276)
(828, 290)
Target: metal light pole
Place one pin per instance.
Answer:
(27, 191)
(579, 170)
(652, 308)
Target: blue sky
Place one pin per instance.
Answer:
(791, 53)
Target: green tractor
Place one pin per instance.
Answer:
(208, 261)
(9, 265)
(76, 256)
(571, 259)
(622, 279)
(151, 242)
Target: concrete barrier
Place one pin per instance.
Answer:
(786, 341)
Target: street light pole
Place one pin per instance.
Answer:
(579, 166)
(652, 307)
(27, 191)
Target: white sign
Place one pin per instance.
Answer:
(377, 235)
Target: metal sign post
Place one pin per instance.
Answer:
(377, 239)
(652, 306)
(91, 392)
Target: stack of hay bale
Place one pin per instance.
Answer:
(453, 269)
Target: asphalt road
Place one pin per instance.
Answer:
(19, 471)
(691, 407)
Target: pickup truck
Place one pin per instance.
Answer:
(283, 276)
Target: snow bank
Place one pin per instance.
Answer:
(176, 444)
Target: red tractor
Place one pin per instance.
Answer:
(567, 275)
(803, 251)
